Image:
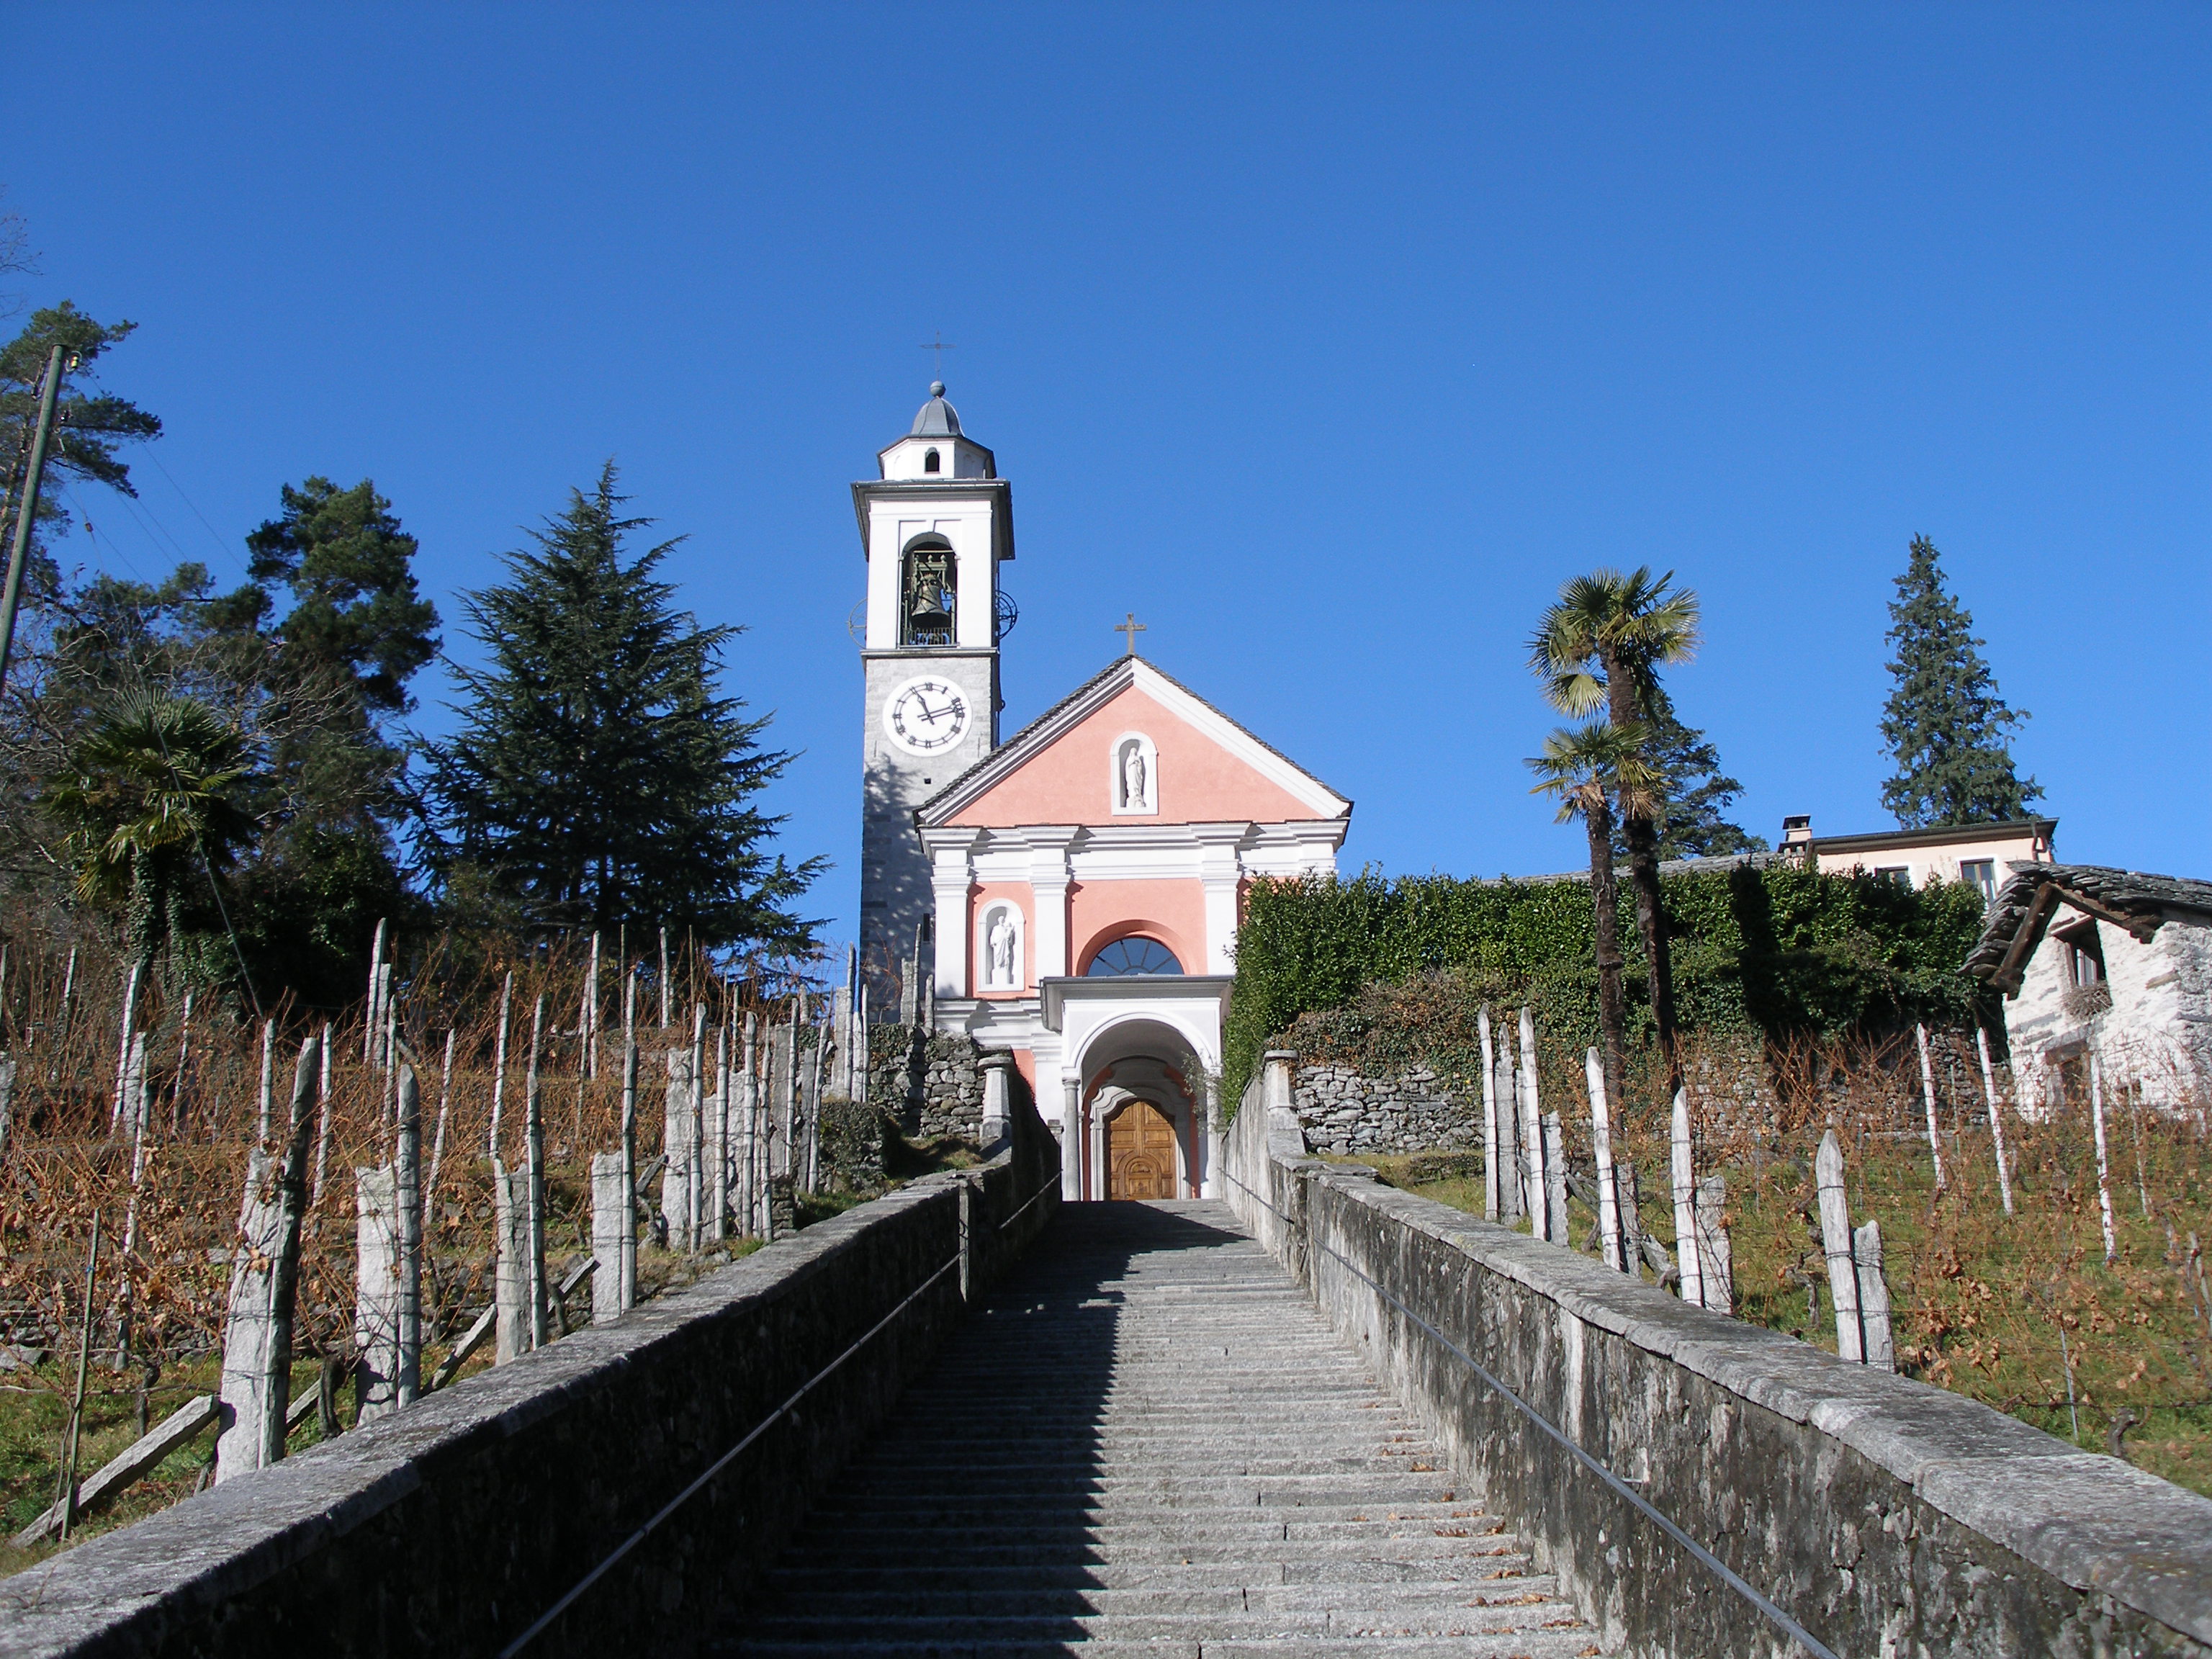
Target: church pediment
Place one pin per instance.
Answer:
(1131, 746)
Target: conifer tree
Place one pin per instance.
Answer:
(1944, 723)
(1692, 790)
(598, 776)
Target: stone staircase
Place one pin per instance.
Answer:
(1149, 1443)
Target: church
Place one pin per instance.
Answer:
(1079, 884)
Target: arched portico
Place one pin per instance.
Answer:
(1130, 1047)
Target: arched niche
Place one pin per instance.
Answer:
(1000, 938)
(1133, 783)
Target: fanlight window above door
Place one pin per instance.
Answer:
(1134, 955)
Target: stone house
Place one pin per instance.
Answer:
(2107, 962)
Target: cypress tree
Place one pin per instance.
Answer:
(598, 776)
(1944, 724)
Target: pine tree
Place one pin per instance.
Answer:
(599, 777)
(1944, 724)
(1694, 791)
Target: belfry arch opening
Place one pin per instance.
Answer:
(928, 593)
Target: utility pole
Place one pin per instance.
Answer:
(26, 513)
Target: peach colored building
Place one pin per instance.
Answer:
(1082, 881)
(1980, 854)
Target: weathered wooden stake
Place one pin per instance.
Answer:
(499, 1066)
(1555, 1181)
(322, 1120)
(610, 1232)
(136, 1111)
(718, 1148)
(1532, 1133)
(1874, 1297)
(696, 1211)
(2104, 1167)
(1928, 1094)
(438, 1141)
(514, 1332)
(1491, 1207)
(264, 1273)
(372, 1016)
(67, 1497)
(268, 1080)
(184, 1071)
(749, 1104)
(1683, 1169)
(1716, 1256)
(1608, 1195)
(534, 1143)
(588, 1026)
(664, 978)
(1836, 1246)
(1996, 1118)
(626, 1263)
(677, 1110)
(123, 1043)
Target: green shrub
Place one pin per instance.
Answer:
(1780, 951)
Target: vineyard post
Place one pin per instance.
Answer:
(1489, 1182)
(1608, 1199)
(1683, 1170)
(628, 1266)
(2104, 1167)
(1928, 1094)
(1996, 1117)
(695, 1212)
(66, 1497)
(1874, 1297)
(322, 1120)
(123, 1044)
(184, 1065)
(407, 1184)
(1532, 1133)
(1836, 1246)
(533, 1129)
(499, 1062)
(748, 1107)
(369, 1015)
(438, 1141)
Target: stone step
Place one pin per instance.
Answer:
(1411, 1598)
(1494, 1575)
(1341, 1622)
(1518, 1644)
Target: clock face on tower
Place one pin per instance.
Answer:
(925, 716)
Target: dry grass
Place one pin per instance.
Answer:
(1999, 1308)
(158, 1306)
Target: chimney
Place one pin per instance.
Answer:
(1797, 829)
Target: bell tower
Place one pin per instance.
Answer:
(934, 528)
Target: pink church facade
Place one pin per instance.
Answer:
(1088, 879)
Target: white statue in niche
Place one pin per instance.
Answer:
(1133, 797)
(998, 946)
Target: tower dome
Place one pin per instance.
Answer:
(937, 419)
(934, 449)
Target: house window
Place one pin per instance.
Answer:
(1981, 875)
(2085, 956)
(1897, 874)
(929, 462)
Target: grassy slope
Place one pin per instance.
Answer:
(1981, 1298)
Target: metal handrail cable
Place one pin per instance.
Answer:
(575, 1591)
(1728, 1575)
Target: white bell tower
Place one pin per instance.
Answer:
(934, 529)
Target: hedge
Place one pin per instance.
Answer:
(1777, 950)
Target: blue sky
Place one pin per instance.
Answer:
(1328, 340)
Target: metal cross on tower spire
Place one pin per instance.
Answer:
(940, 345)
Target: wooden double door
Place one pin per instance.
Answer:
(1141, 1152)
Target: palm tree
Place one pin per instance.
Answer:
(1594, 770)
(151, 795)
(1601, 646)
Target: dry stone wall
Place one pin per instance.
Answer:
(1343, 1110)
(930, 1086)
